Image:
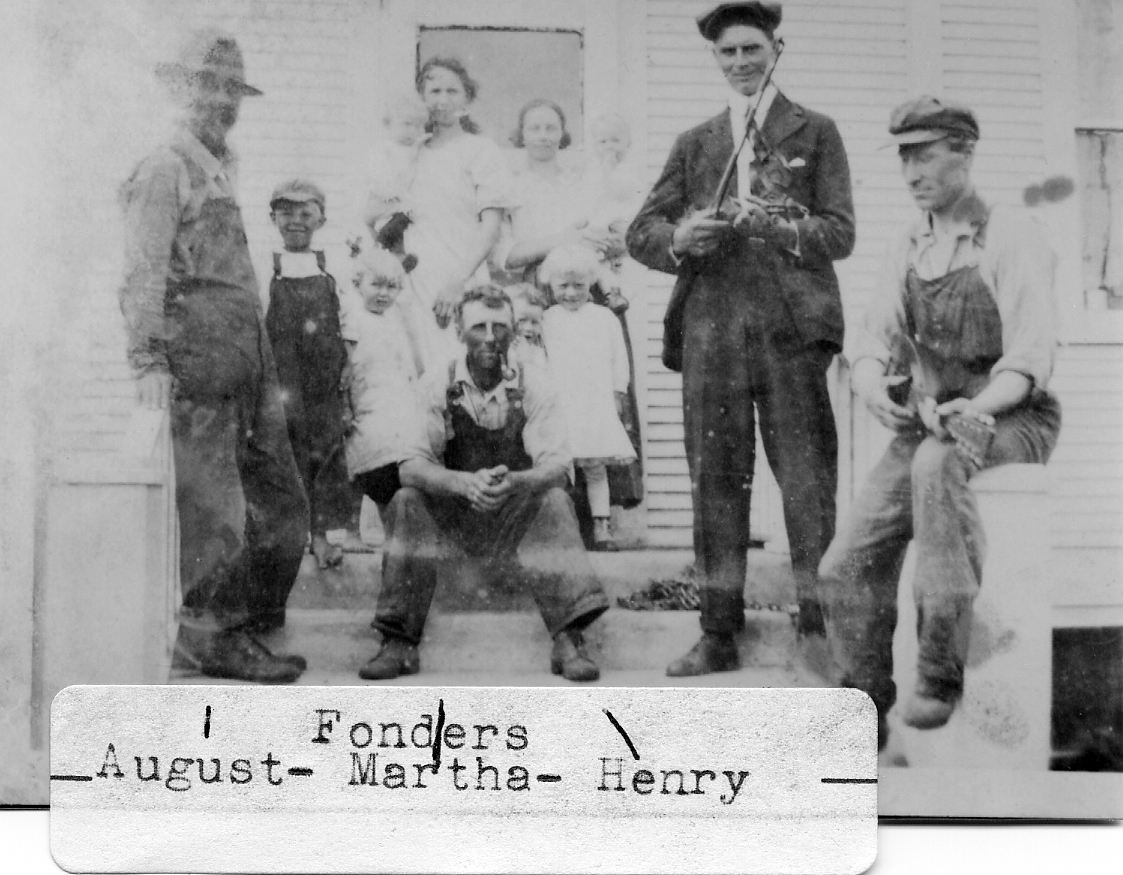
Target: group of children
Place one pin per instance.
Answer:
(349, 359)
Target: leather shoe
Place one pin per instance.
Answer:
(238, 655)
(569, 658)
(926, 712)
(395, 658)
(711, 653)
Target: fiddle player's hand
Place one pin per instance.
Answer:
(698, 234)
(756, 222)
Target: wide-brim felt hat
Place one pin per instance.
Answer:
(213, 52)
(927, 119)
(761, 15)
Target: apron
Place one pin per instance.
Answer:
(214, 347)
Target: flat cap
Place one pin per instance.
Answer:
(298, 191)
(763, 16)
(927, 119)
(209, 51)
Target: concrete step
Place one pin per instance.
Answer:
(745, 677)
(516, 643)
(355, 584)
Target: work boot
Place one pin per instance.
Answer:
(238, 655)
(569, 658)
(926, 712)
(712, 653)
(395, 658)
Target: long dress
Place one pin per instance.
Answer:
(588, 363)
(452, 185)
(543, 205)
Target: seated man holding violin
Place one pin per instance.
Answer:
(750, 212)
(954, 357)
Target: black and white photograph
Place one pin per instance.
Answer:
(530, 343)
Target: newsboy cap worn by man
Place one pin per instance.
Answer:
(298, 191)
(764, 16)
(213, 52)
(928, 119)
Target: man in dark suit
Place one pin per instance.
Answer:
(754, 321)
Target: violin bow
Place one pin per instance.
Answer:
(727, 174)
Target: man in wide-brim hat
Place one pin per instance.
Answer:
(754, 322)
(197, 343)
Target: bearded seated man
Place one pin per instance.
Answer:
(485, 476)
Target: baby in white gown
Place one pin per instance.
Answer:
(391, 166)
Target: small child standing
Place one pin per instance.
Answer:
(382, 376)
(304, 332)
(390, 170)
(527, 347)
(589, 366)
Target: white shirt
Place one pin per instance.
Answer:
(739, 105)
(298, 265)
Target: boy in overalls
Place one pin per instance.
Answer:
(968, 296)
(304, 330)
(197, 342)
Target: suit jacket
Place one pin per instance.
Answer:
(819, 180)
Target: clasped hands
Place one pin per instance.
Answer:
(701, 232)
(488, 489)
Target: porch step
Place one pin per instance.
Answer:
(745, 677)
(355, 584)
(516, 643)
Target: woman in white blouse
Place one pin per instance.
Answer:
(459, 192)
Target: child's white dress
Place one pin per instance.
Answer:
(383, 383)
(588, 364)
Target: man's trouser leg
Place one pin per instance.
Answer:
(415, 546)
(422, 531)
(276, 505)
(861, 570)
(554, 562)
(798, 432)
(212, 512)
(720, 437)
(951, 543)
(922, 484)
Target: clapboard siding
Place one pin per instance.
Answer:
(1087, 466)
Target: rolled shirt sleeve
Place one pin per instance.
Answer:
(545, 435)
(152, 203)
(1020, 267)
